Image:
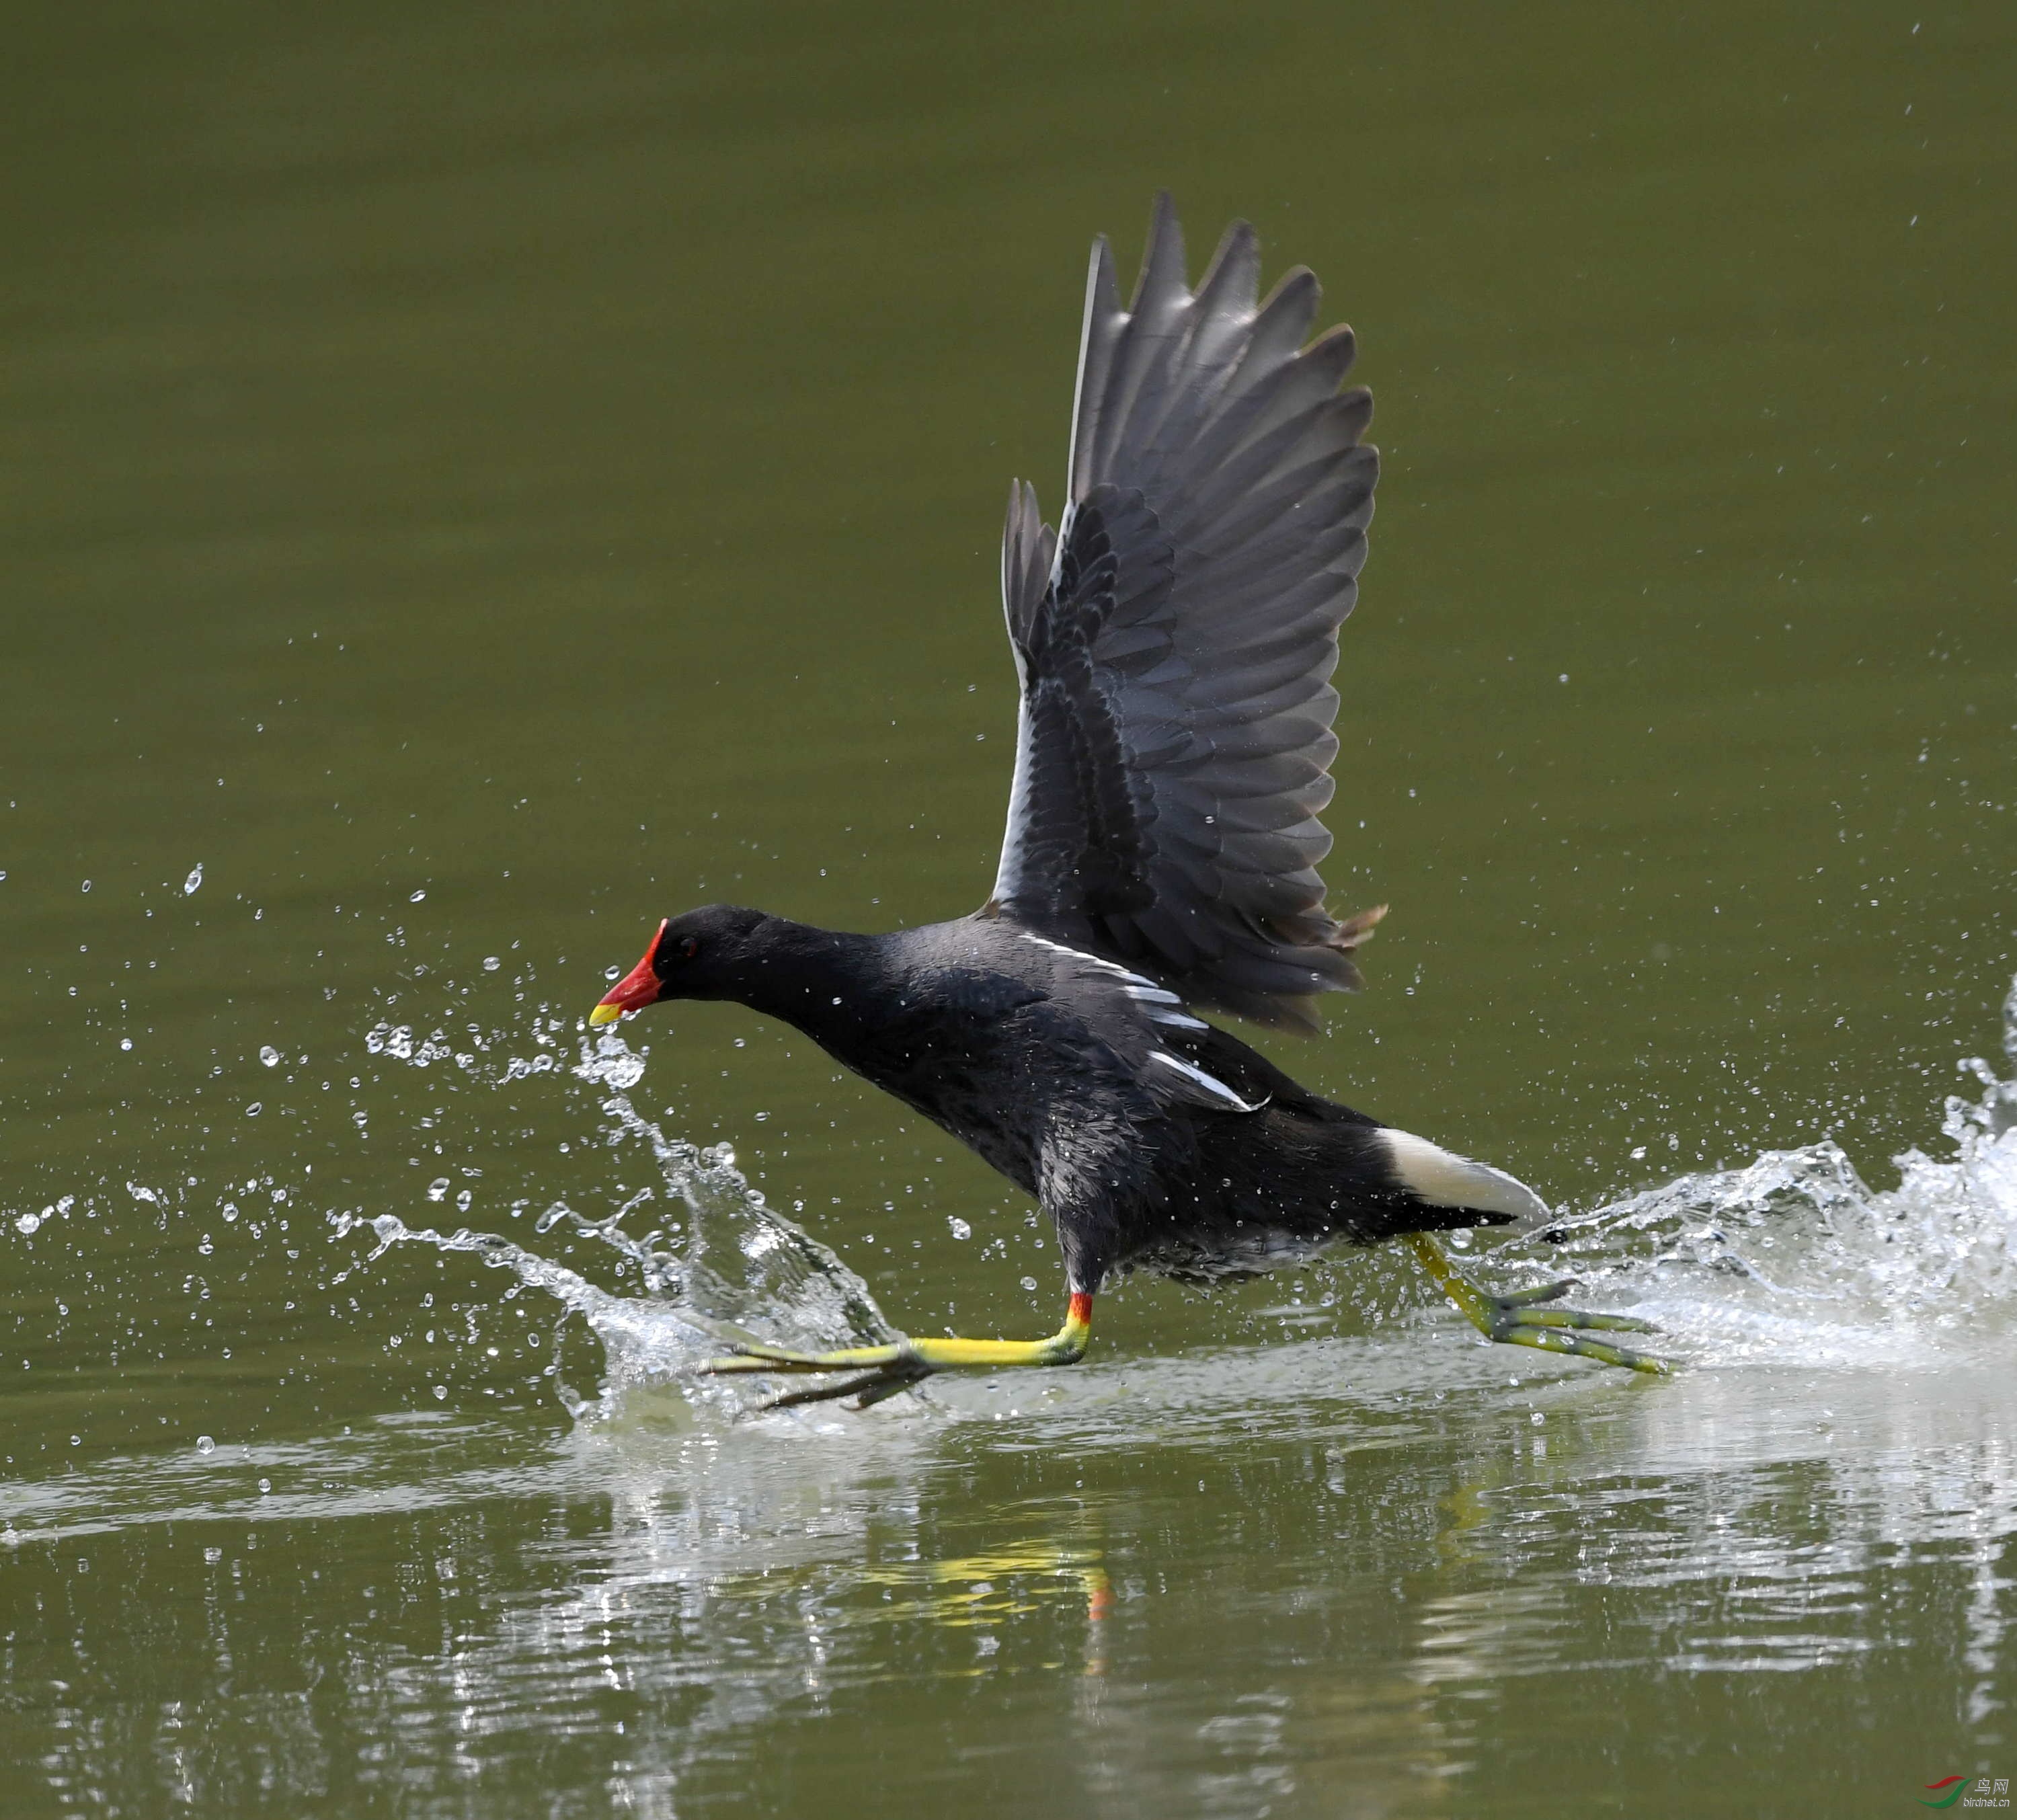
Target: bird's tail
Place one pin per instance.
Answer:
(1440, 1178)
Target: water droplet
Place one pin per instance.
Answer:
(25, 1223)
(270, 1056)
(464, 1199)
(437, 1188)
(87, 884)
(417, 896)
(266, 1484)
(205, 1444)
(195, 879)
(960, 1228)
(491, 963)
(125, 1042)
(1029, 1283)
(441, 1393)
(255, 1109)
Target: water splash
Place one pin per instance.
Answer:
(733, 1270)
(1794, 1254)
(1791, 1257)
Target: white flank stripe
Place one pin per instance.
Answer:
(1211, 1083)
(1091, 960)
(1142, 992)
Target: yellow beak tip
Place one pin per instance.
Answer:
(603, 1014)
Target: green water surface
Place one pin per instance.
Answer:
(473, 480)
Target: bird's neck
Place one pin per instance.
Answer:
(818, 980)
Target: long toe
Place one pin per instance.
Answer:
(1558, 1340)
(750, 1355)
(1515, 1319)
(869, 1387)
(873, 1372)
(755, 1360)
(1523, 1315)
(1517, 1322)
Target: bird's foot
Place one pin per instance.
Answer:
(1517, 1320)
(881, 1371)
(1519, 1317)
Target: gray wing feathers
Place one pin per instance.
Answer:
(1028, 547)
(1176, 638)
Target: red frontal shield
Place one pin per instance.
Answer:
(637, 989)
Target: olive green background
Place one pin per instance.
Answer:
(475, 480)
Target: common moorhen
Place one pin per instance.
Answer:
(1174, 638)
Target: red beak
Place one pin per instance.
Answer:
(637, 989)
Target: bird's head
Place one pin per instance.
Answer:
(703, 953)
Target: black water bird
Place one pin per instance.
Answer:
(1174, 638)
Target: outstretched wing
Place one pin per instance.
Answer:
(1175, 642)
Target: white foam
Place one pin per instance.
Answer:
(1795, 1257)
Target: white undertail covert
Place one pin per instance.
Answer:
(1441, 1178)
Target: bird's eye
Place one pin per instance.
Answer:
(689, 947)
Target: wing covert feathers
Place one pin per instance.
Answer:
(1176, 637)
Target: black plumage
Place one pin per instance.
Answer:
(1153, 1140)
(1174, 640)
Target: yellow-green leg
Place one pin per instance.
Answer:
(1518, 1320)
(886, 1370)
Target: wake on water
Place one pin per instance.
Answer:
(1792, 1257)
(1795, 1251)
